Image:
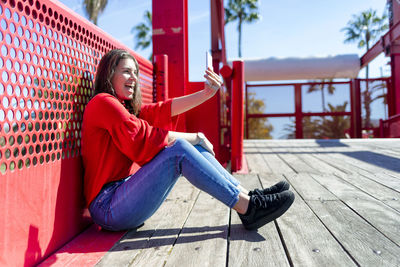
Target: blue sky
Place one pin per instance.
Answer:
(288, 28)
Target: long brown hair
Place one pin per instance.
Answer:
(105, 72)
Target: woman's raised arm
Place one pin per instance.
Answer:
(184, 103)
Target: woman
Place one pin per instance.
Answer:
(119, 132)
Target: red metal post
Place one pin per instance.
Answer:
(298, 111)
(170, 37)
(237, 115)
(160, 77)
(247, 112)
(355, 108)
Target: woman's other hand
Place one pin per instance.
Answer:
(203, 141)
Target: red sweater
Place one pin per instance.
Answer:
(113, 140)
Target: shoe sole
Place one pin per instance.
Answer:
(270, 217)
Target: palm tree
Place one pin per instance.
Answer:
(320, 86)
(363, 29)
(334, 127)
(93, 8)
(242, 11)
(143, 31)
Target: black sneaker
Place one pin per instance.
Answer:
(266, 208)
(276, 188)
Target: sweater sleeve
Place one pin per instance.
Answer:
(134, 137)
(159, 115)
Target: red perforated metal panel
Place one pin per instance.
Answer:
(48, 61)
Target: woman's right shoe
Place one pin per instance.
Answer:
(266, 208)
(276, 188)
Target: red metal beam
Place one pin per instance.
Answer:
(218, 33)
(385, 44)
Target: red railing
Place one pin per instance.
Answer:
(354, 88)
(390, 128)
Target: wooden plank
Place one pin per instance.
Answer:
(152, 242)
(254, 248)
(349, 166)
(382, 217)
(203, 241)
(308, 188)
(299, 226)
(377, 190)
(366, 245)
(276, 164)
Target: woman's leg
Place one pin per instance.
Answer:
(139, 197)
(220, 168)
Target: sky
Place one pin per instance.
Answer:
(287, 28)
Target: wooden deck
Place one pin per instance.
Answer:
(346, 212)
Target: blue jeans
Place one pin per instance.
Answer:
(127, 203)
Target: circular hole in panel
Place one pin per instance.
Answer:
(18, 115)
(9, 90)
(23, 151)
(1, 63)
(26, 115)
(20, 164)
(7, 153)
(27, 138)
(16, 42)
(47, 158)
(17, 66)
(2, 115)
(12, 165)
(20, 140)
(37, 126)
(25, 92)
(12, 27)
(8, 64)
(16, 17)
(27, 163)
(5, 102)
(4, 76)
(28, 57)
(11, 140)
(30, 126)
(37, 149)
(41, 137)
(2, 141)
(16, 152)
(34, 161)
(15, 127)
(3, 24)
(6, 127)
(29, 104)
(41, 159)
(10, 115)
(13, 77)
(3, 168)
(23, 127)
(13, 54)
(21, 79)
(14, 102)
(8, 39)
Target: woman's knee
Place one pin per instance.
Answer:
(183, 144)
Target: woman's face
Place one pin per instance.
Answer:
(124, 79)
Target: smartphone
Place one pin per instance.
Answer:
(209, 63)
